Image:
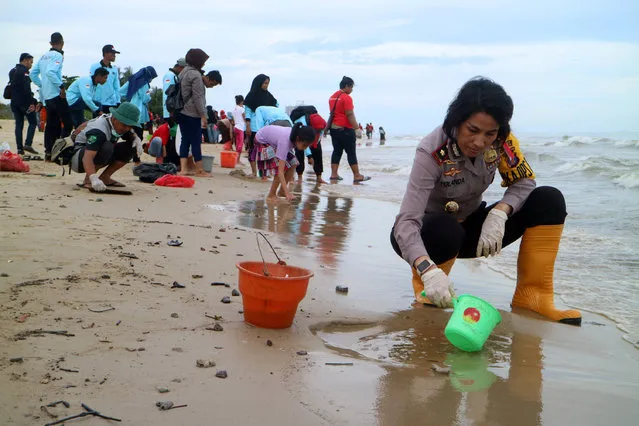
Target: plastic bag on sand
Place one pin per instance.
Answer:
(4, 146)
(10, 162)
(175, 181)
(150, 172)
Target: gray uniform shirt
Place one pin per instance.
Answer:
(101, 123)
(441, 174)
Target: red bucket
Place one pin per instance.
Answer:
(271, 291)
(271, 301)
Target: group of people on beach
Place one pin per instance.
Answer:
(442, 216)
(120, 113)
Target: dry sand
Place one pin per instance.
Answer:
(90, 255)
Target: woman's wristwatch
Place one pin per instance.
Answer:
(423, 266)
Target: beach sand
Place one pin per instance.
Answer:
(91, 252)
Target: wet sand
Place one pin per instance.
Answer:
(92, 255)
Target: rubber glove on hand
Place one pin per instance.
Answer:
(438, 288)
(97, 184)
(492, 233)
(358, 133)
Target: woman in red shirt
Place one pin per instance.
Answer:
(344, 130)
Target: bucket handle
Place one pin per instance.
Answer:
(279, 261)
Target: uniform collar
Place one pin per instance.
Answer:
(103, 65)
(454, 151)
(57, 50)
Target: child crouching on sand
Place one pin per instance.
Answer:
(276, 156)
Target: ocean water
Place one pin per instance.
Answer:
(597, 268)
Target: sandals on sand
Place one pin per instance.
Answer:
(32, 158)
(114, 184)
(364, 179)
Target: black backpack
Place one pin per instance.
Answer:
(7, 89)
(303, 111)
(174, 101)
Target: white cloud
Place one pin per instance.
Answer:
(407, 69)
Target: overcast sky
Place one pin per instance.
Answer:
(570, 65)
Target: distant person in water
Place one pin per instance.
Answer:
(344, 130)
(442, 216)
(382, 136)
(275, 155)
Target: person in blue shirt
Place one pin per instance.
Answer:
(47, 75)
(108, 94)
(81, 95)
(168, 80)
(138, 91)
(268, 115)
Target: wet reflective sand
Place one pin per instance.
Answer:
(530, 371)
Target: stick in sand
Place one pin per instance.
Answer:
(89, 412)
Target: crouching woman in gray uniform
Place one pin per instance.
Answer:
(443, 217)
(97, 146)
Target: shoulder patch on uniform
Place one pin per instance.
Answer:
(92, 139)
(441, 154)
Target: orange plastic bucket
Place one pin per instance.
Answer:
(43, 118)
(270, 301)
(228, 159)
(271, 291)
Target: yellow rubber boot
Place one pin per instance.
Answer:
(535, 267)
(418, 285)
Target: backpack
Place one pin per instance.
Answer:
(174, 101)
(303, 111)
(7, 89)
(62, 151)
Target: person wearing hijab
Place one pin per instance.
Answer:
(258, 96)
(138, 91)
(193, 117)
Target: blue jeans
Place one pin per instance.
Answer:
(191, 129)
(19, 115)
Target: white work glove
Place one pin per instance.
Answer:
(492, 232)
(358, 133)
(137, 144)
(438, 288)
(97, 184)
